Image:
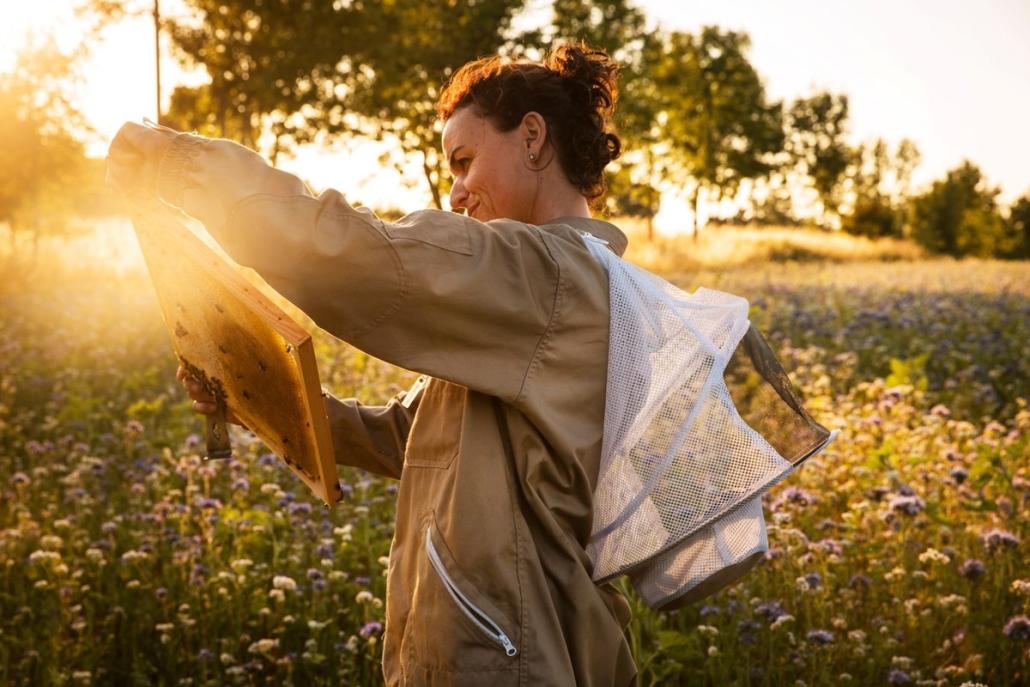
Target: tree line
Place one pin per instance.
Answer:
(693, 110)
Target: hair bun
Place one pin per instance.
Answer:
(592, 72)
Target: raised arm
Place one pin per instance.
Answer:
(435, 292)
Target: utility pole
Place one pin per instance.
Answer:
(157, 55)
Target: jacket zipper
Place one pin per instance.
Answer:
(474, 613)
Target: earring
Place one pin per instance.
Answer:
(532, 156)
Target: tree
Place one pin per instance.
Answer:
(44, 158)
(719, 125)
(620, 28)
(397, 70)
(1018, 229)
(959, 215)
(881, 182)
(815, 130)
(271, 69)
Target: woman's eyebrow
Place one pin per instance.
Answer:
(450, 158)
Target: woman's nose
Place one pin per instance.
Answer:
(458, 196)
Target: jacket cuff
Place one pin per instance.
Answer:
(175, 166)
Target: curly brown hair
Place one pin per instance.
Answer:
(573, 89)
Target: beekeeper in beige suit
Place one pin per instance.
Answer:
(505, 313)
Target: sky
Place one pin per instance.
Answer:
(952, 75)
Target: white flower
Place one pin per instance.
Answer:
(364, 596)
(782, 620)
(708, 630)
(934, 556)
(263, 646)
(240, 565)
(284, 582)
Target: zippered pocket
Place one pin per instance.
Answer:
(484, 622)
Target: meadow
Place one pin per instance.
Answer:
(899, 556)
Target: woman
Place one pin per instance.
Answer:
(505, 313)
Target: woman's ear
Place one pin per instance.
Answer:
(534, 134)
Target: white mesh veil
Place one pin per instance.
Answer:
(677, 504)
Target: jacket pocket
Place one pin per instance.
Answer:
(434, 439)
(482, 620)
(453, 628)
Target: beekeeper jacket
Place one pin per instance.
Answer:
(489, 582)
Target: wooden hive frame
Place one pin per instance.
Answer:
(246, 350)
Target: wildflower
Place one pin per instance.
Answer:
(1021, 587)
(898, 677)
(263, 646)
(972, 569)
(708, 609)
(771, 610)
(133, 427)
(1018, 628)
(241, 484)
(20, 479)
(909, 505)
(746, 631)
(240, 565)
(44, 557)
(932, 555)
(314, 574)
(284, 582)
(205, 655)
(820, 636)
(998, 538)
(814, 580)
(324, 549)
(364, 596)
(708, 630)
(959, 475)
(277, 594)
(370, 628)
(860, 580)
(940, 410)
(781, 621)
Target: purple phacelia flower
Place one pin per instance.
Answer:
(300, 508)
(820, 636)
(909, 505)
(324, 550)
(314, 574)
(899, 677)
(997, 538)
(746, 630)
(708, 610)
(770, 610)
(370, 628)
(1018, 628)
(972, 569)
(814, 580)
(241, 484)
(959, 475)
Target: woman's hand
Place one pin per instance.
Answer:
(203, 402)
(134, 158)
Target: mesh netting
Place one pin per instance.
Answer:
(678, 498)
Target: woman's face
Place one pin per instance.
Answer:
(491, 178)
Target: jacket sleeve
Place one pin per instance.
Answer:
(435, 292)
(372, 437)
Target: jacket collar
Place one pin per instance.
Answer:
(616, 239)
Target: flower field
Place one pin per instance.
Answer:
(899, 556)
